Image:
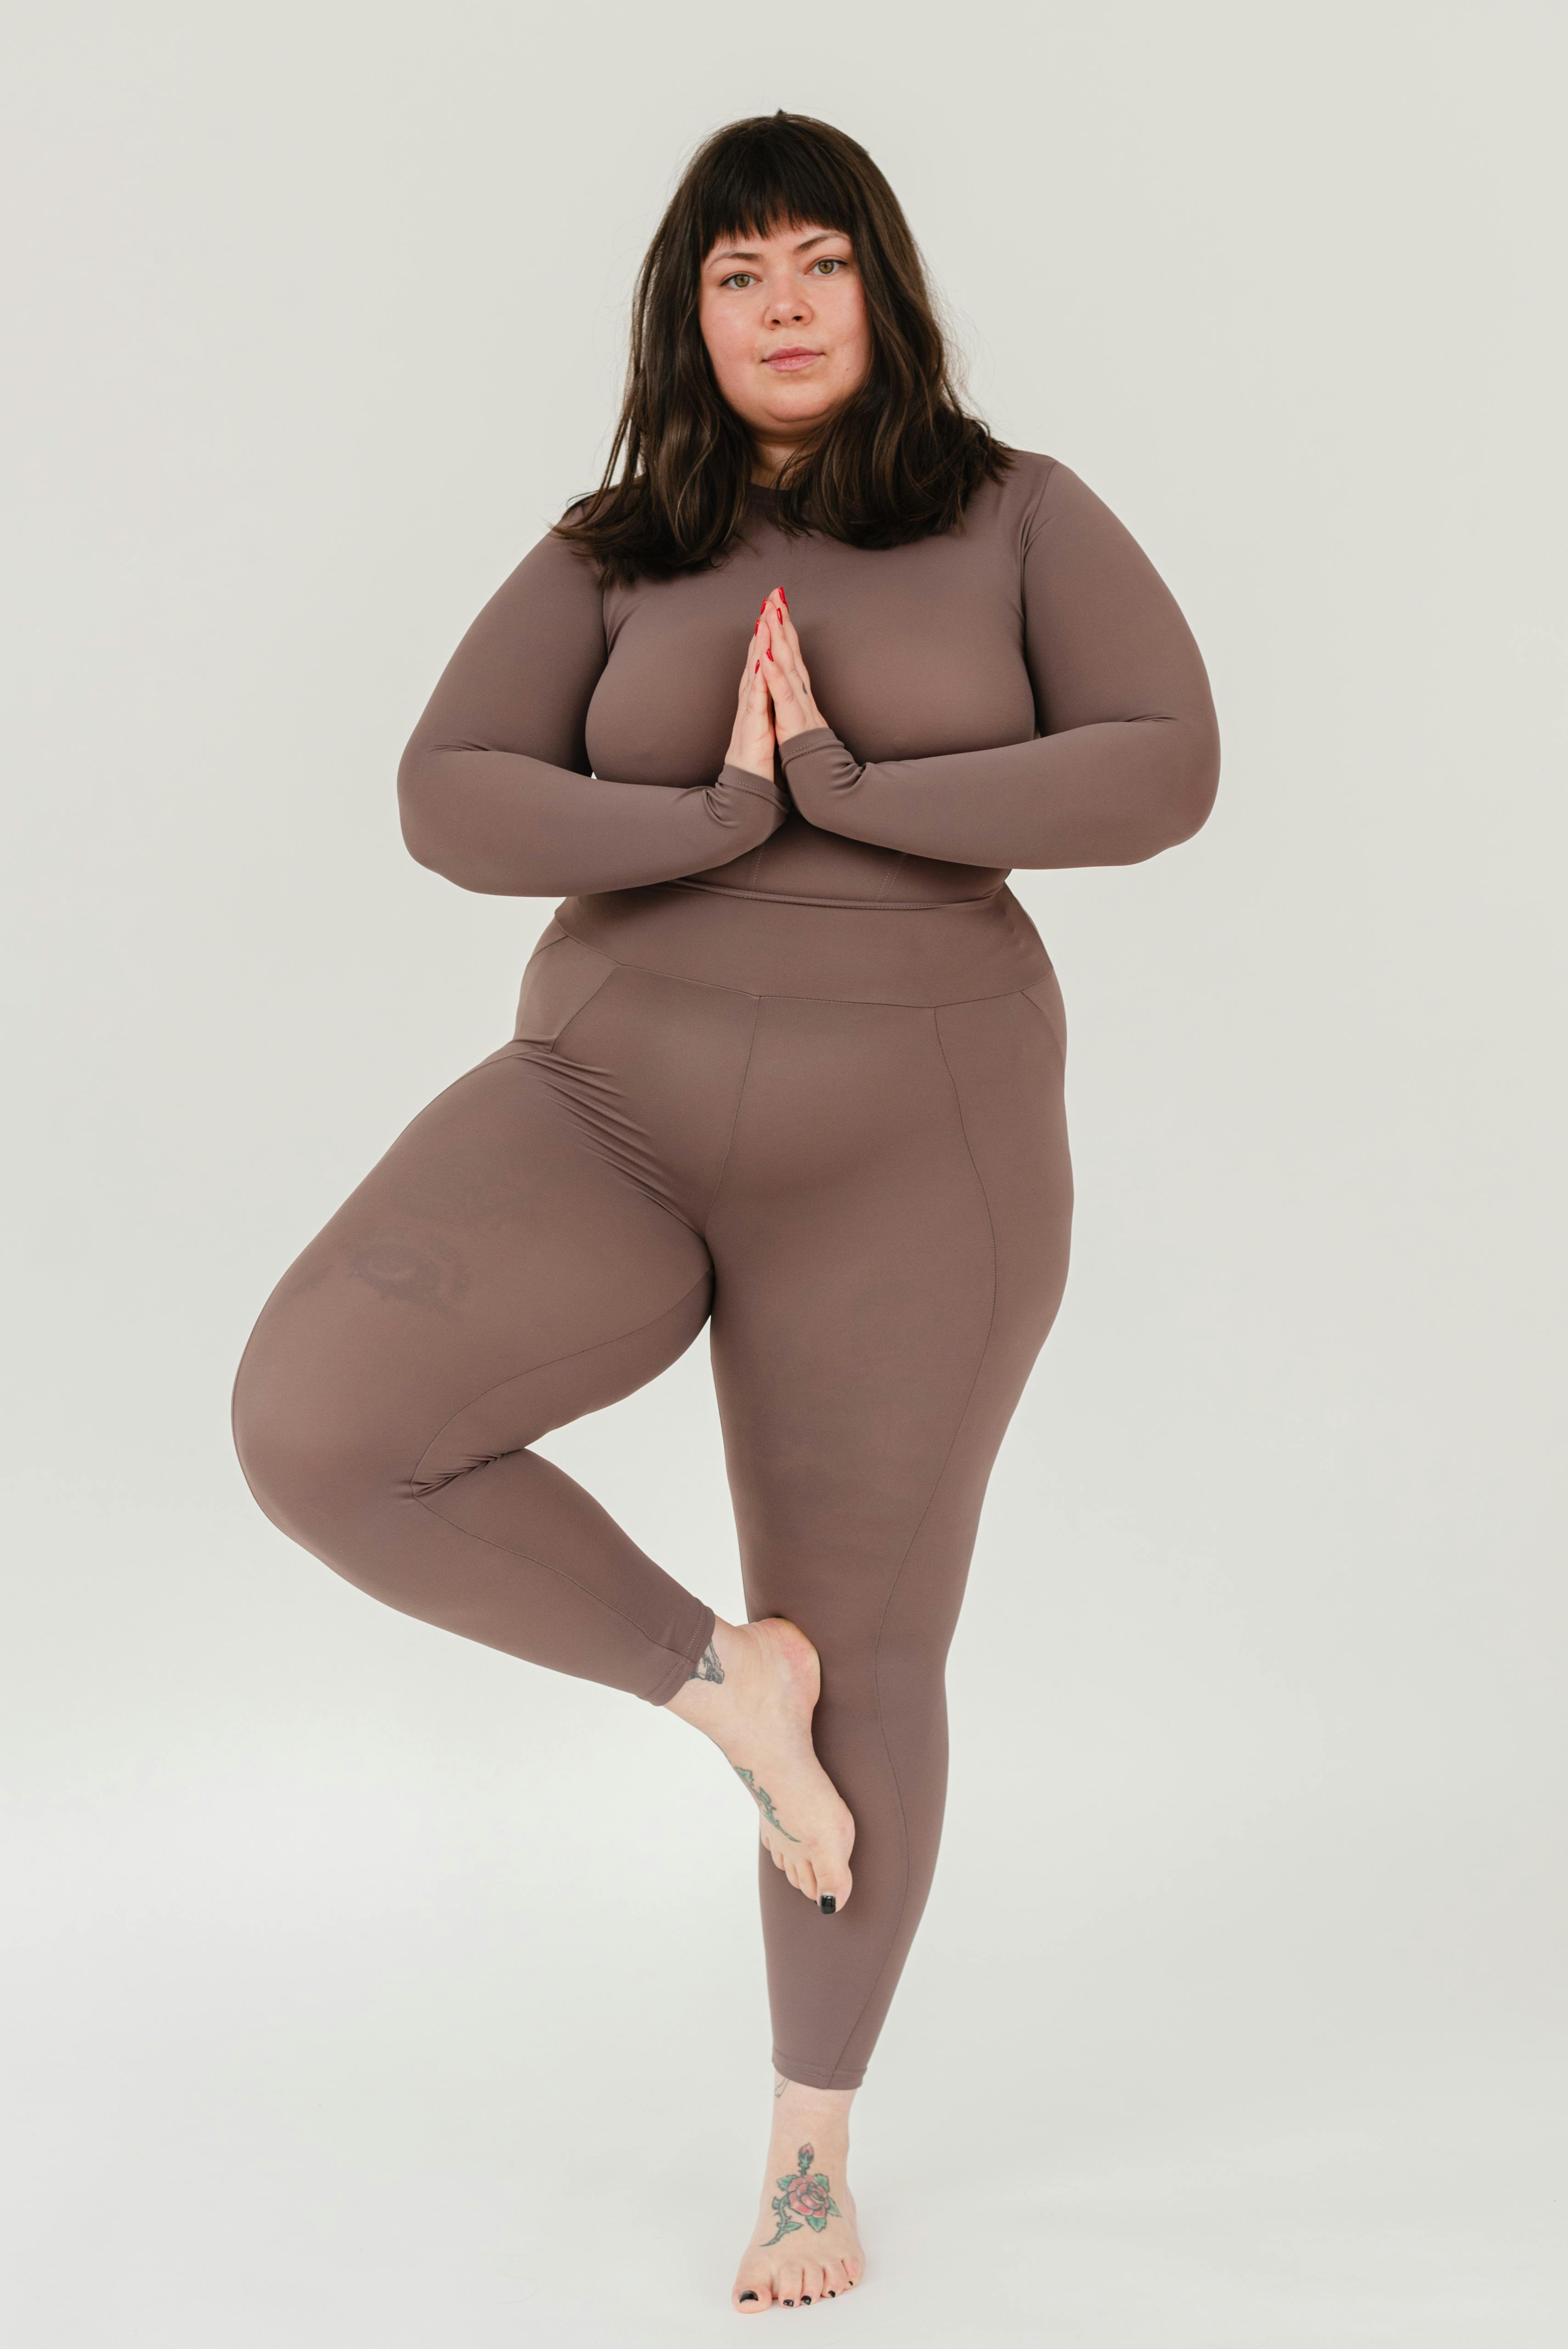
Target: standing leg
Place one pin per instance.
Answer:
(890, 1246)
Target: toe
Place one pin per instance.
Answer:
(790, 2284)
(815, 2287)
(834, 2280)
(805, 1879)
(753, 2292)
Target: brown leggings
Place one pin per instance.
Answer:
(869, 1197)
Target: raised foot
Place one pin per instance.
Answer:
(754, 1693)
(806, 2246)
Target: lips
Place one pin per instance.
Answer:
(788, 360)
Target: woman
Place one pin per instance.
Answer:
(788, 1060)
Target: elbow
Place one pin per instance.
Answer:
(1188, 793)
(427, 812)
(431, 806)
(426, 841)
(421, 836)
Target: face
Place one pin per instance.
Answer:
(784, 319)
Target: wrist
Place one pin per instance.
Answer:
(819, 737)
(734, 777)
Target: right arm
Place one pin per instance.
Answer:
(495, 787)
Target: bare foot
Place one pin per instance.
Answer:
(806, 2246)
(754, 1693)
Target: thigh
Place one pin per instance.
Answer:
(497, 1273)
(891, 1247)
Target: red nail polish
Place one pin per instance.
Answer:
(755, 667)
(769, 652)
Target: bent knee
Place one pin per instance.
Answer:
(311, 1463)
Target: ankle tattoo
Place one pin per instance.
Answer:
(805, 2196)
(707, 1666)
(764, 1803)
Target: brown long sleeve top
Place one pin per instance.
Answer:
(1020, 692)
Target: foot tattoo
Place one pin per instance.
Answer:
(805, 2195)
(764, 1803)
(707, 1666)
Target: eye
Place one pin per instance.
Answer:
(738, 277)
(832, 261)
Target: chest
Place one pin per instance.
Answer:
(912, 651)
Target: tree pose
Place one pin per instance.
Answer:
(772, 712)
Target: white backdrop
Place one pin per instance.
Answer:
(363, 1987)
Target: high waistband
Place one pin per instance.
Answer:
(925, 955)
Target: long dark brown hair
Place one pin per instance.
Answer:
(898, 459)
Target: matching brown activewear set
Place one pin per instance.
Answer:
(787, 1061)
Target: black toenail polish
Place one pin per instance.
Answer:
(749, 2295)
(828, 1904)
(831, 2294)
(789, 2303)
(805, 2300)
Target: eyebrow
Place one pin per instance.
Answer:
(734, 252)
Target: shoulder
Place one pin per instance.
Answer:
(1048, 502)
(563, 560)
(1008, 506)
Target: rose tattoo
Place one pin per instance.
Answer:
(805, 2196)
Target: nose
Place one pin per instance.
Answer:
(787, 305)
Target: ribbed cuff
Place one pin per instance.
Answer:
(815, 738)
(681, 1668)
(806, 2074)
(741, 778)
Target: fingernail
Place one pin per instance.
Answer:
(749, 2295)
(755, 667)
(769, 651)
(828, 1904)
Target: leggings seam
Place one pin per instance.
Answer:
(734, 1119)
(572, 1354)
(1050, 1024)
(545, 1566)
(925, 1511)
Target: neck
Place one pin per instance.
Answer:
(768, 457)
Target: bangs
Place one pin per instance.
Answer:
(768, 178)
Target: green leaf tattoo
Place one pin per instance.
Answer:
(707, 1666)
(805, 2196)
(764, 1803)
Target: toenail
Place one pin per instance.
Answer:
(828, 1904)
(749, 2295)
(789, 2303)
(805, 2300)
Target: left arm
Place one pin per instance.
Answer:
(1128, 759)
